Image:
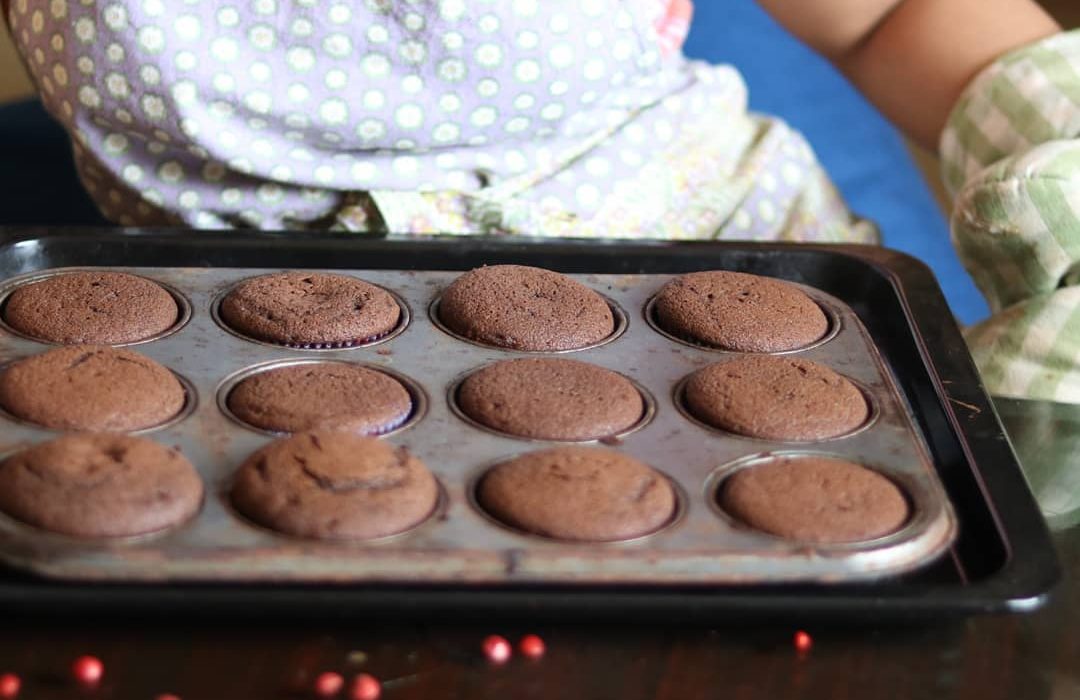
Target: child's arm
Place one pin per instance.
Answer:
(913, 58)
(1004, 97)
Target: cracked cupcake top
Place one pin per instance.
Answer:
(335, 485)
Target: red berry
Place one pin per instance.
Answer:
(9, 686)
(328, 684)
(365, 687)
(88, 670)
(803, 642)
(168, 696)
(496, 649)
(532, 646)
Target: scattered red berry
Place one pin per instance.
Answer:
(365, 687)
(496, 649)
(88, 670)
(328, 684)
(803, 642)
(9, 686)
(531, 646)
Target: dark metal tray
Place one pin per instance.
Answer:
(1002, 559)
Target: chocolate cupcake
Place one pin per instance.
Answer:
(525, 308)
(777, 398)
(578, 493)
(815, 499)
(104, 308)
(93, 388)
(551, 399)
(335, 485)
(100, 485)
(325, 395)
(740, 312)
(310, 310)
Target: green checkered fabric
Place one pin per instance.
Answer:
(1011, 158)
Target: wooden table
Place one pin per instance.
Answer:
(1014, 657)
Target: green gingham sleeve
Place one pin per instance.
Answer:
(1011, 159)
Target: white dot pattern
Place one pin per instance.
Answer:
(269, 112)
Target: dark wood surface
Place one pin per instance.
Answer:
(1021, 656)
(1026, 656)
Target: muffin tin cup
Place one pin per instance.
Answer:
(63, 541)
(8, 286)
(678, 398)
(417, 395)
(10, 524)
(617, 314)
(244, 520)
(191, 402)
(461, 545)
(613, 438)
(403, 322)
(473, 484)
(920, 500)
(831, 312)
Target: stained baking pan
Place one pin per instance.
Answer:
(893, 337)
(458, 544)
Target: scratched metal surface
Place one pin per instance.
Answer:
(460, 543)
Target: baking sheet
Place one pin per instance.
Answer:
(461, 544)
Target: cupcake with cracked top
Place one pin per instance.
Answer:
(335, 485)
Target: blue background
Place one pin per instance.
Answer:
(862, 152)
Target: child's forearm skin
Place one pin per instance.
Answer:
(913, 58)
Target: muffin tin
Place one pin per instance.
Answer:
(459, 542)
(981, 547)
